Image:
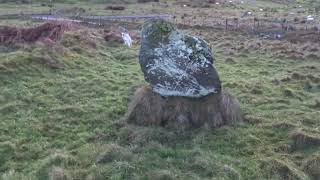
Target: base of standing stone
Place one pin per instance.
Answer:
(215, 110)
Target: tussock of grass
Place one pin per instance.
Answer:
(317, 104)
(216, 110)
(7, 152)
(312, 166)
(279, 169)
(303, 139)
(114, 152)
(52, 166)
(13, 175)
(161, 175)
(58, 173)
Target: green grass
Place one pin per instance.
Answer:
(68, 121)
(62, 107)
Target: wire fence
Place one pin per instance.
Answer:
(267, 27)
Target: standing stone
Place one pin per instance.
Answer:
(176, 64)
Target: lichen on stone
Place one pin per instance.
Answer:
(176, 64)
(155, 31)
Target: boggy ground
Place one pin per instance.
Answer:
(62, 104)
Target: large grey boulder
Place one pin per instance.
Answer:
(176, 64)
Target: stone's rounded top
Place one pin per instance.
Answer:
(156, 31)
(176, 64)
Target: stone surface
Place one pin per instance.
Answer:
(176, 64)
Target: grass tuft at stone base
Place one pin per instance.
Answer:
(212, 111)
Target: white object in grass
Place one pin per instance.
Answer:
(310, 18)
(126, 39)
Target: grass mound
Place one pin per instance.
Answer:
(150, 108)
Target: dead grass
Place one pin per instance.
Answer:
(113, 36)
(150, 108)
(303, 140)
(303, 36)
(12, 35)
(292, 47)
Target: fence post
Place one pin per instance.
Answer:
(237, 23)
(254, 23)
(203, 19)
(226, 24)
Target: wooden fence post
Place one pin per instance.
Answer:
(226, 24)
(237, 21)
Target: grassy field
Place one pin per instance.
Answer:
(62, 106)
